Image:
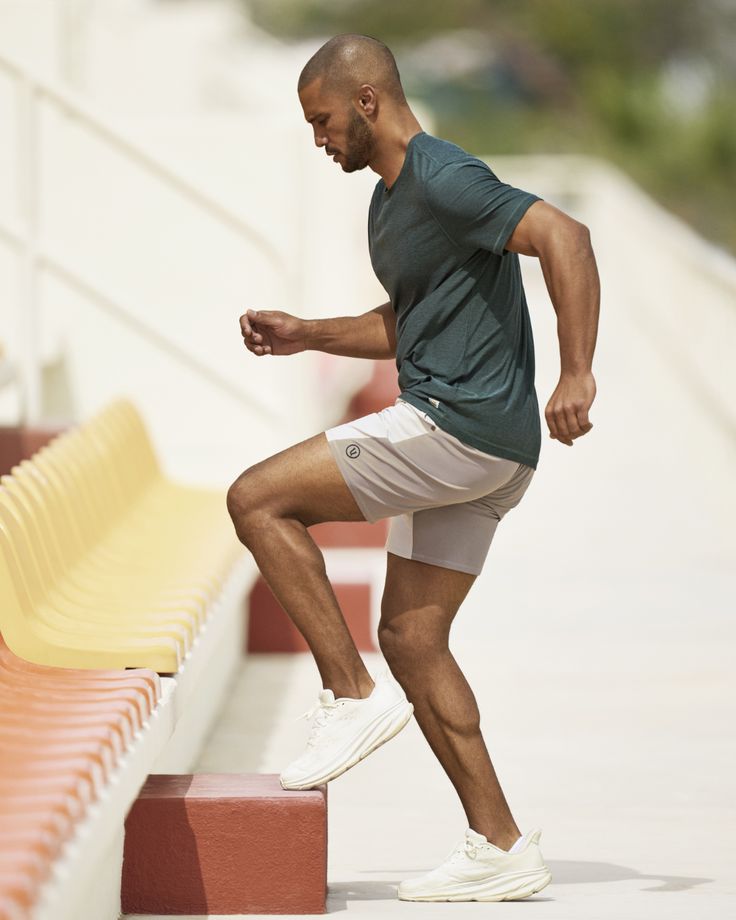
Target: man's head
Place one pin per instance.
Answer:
(344, 88)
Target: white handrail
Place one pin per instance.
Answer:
(12, 236)
(26, 239)
(114, 306)
(118, 138)
(28, 187)
(59, 267)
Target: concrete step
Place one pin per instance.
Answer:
(270, 629)
(225, 843)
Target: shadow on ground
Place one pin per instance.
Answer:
(565, 872)
(569, 872)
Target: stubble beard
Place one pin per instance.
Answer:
(359, 143)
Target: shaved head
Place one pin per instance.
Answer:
(347, 62)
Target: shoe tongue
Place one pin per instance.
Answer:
(326, 696)
(475, 837)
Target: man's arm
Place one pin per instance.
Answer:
(563, 248)
(369, 335)
(274, 332)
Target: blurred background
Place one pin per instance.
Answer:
(650, 86)
(157, 178)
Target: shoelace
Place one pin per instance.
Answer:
(323, 713)
(466, 848)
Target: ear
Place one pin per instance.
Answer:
(367, 100)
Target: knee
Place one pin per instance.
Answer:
(392, 642)
(237, 498)
(246, 505)
(405, 646)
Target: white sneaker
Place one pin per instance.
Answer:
(476, 870)
(347, 730)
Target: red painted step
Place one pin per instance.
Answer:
(270, 629)
(20, 443)
(225, 843)
(350, 533)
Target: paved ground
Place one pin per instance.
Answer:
(599, 641)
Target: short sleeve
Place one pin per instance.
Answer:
(473, 207)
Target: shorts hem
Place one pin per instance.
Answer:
(444, 563)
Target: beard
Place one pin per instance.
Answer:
(359, 146)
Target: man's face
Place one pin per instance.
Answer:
(345, 133)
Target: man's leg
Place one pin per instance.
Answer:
(419, 604)
(271, 505)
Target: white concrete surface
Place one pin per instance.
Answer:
(598, 640)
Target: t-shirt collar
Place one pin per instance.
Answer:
(388, 190)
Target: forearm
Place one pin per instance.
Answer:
(571, 275)
(369, 335)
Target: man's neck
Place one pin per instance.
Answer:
(391, 153)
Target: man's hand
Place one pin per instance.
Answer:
(567, 409)
(273, 332)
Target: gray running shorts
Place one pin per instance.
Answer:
(444, 498)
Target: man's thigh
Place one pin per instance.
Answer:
(420, 599)
(302, 481)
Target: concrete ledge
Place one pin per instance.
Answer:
(225, 843)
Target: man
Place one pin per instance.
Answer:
(454, 453)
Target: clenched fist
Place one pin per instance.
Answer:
(567, 410)
(273, 332)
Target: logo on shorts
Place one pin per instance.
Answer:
(353, 451)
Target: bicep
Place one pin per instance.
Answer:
(388, 316)
(538, 226)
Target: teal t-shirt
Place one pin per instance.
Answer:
(464, 346)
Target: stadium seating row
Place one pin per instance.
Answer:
(110, 576)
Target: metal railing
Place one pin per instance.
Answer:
(26, 238)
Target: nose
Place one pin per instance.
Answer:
(320, 141)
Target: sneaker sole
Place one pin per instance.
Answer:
(397, 716)
(510, 886)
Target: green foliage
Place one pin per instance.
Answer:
(572, 75)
